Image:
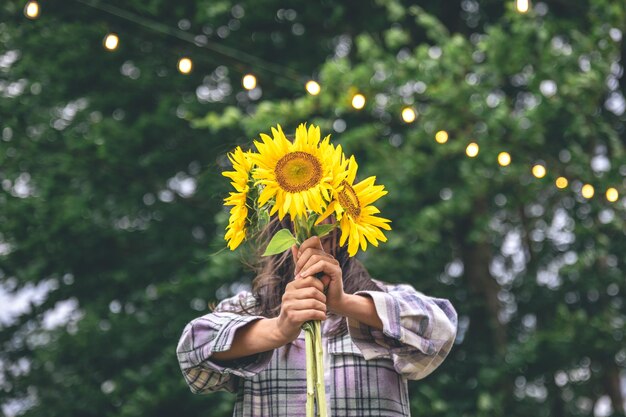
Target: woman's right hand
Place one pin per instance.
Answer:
(302, 301)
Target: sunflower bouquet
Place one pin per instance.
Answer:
(308, 179)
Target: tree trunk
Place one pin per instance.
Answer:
(476, 258)
(613, 387)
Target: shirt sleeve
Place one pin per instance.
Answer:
(418, 331)
(215, 332)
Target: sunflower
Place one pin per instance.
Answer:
(236, 229)
(357, 217)
(298, 175)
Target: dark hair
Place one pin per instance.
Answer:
(273, 273)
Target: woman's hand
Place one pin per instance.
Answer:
(302, 301)
(311, 259)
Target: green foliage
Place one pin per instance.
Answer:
(322, 230)
(280, 242)
(112, 195)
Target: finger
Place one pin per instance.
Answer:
(311, 256)
(304, 282)
(307, 294)
(309, 282)
(325, 280)
(322, 265)
(304, 255)
(329, 269)
(312, 242)
(314, 260)
(301, 316)
(308, 304)
(310, 294)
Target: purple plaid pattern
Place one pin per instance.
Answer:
(366, 369)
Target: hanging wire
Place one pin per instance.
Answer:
(226, 51)
(358, 100)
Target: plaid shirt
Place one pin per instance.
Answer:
(366, 370)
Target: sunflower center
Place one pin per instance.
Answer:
(349, 200)
(298, 171)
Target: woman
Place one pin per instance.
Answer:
(376, 336)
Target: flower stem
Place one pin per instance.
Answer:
(315, 386)
(310, 369)
(301, 229)
(319, 362)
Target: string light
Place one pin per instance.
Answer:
(587, 191)
(612, 195)
(561, 182)
(408, 115)
(358, 101)
(504, 158)
(111, 41)
(313, 88)
(249, 82)
(185, 65)
(522, 5)
(539, 171)
(472, 149)
(215, 47)
(31, 10)
(441, 136)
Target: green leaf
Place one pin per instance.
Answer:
(282, 240)
(322, 230)
(263, 218)
(310, 221)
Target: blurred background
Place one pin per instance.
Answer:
(497, 127)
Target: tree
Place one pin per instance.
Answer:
(534, 270)
(112, 200)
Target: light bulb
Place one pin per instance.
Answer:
(522, 5)
(612, 195)
(249, 82)
(587, 191)
(358, 101)
(539, 171)
(111, 41)
(472, 149)
(185, 65)
(504, 158)
(31, 10)
(313, 88)
(441, 136)
(561, 182)
(408, 115)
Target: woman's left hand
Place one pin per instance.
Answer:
(312, 259)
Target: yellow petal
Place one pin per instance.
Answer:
(287, 202)
(352, 170)
(329, 210)
(353, 242)
(363, 242)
